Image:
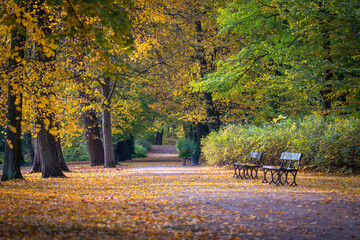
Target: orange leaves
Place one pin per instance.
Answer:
(144, 199)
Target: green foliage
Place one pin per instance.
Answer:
(140, 151)
(291, 56)
(150, 136)
(143, 142)
(186, 147)
(332, 146)
(75, 149)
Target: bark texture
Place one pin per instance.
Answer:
(36, 166)
(50, 166)
(60, 154)
(109, 157)
(159, 138)
(93, 139)
(12, 155)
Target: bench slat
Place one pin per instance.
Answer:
(256, 155)
(290, 156)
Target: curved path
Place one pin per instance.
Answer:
(247, 208)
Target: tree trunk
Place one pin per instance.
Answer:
(36, 166)
(159, 138)
(50, 166)
(328, 75)
(93, 139)
(327, 88)
(206, 67)
(122, 151)
(212, 114)
(12, 156)
(202, 131)
(109, 157)
(60, 154)
(131, 144)
(29, 145)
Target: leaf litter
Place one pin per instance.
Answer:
(160, 199)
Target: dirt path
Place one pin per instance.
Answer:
(163, 151)
(158, 198)
(249, 209)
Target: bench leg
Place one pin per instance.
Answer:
(274, 176)
(293, 183)
(245, 173)
(282, 178)
(265, 172)
(236, 169)
(243, 170)
(256, 173)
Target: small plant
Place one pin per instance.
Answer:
(143, 142)
(140, 151)
(186, 147)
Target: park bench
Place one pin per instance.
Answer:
(290, 163)
(249, 169)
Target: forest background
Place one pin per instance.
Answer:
(236, 75)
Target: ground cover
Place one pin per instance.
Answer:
(158, 198)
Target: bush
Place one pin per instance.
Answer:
(143, 142)
(327, 146)
(140, 151)
(186, 147)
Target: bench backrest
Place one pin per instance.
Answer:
(290, 160)
(255, 158)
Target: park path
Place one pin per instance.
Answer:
(158, 198)
(161, 160)
(247, 208)
(163, 151)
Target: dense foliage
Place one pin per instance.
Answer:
(291, 57)
(186, 147)
(333, 145)
(140, 151)
(146, 66)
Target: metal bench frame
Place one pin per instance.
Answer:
(290, 163)
(250, 169)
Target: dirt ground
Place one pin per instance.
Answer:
(159, 198)
(251, 211)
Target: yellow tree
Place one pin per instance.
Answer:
(47, 25)
(177, 43)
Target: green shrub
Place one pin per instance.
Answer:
(186, 147)
(140, 151)
(143, 142)
(333, 145)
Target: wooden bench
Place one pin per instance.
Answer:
(250, 169)
(290, 163)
